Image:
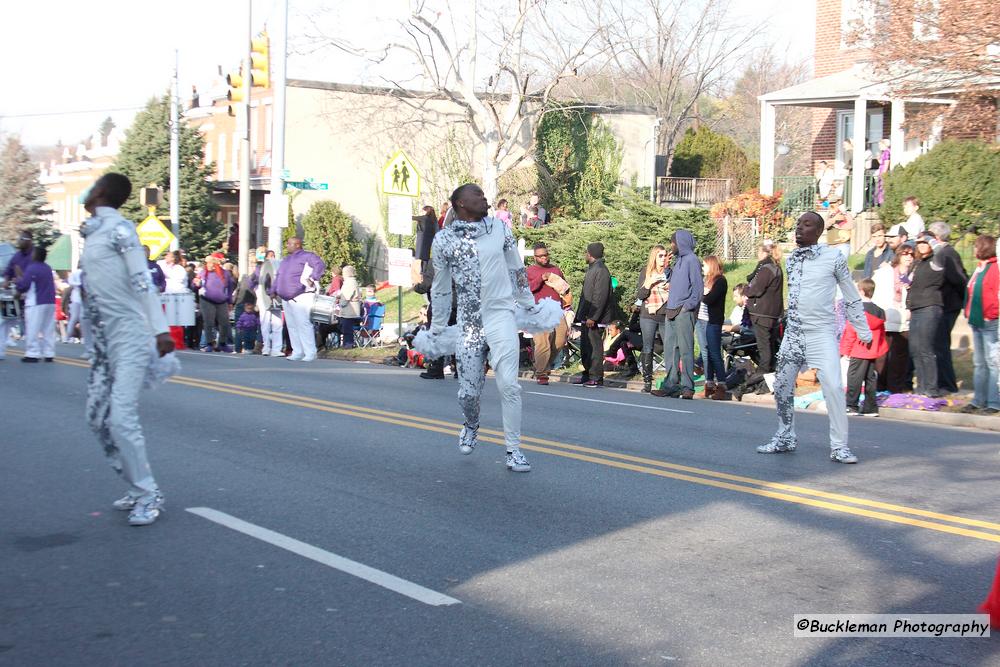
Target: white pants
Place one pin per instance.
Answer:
(75, 310)
(809, 349)
(116, 376)
(501, 337)
(270, 331)
(300, 329)
(5, 327)
(40, 331)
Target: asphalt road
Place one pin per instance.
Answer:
(320, 514)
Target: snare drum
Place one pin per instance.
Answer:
(324, 310)
(10, 307)
(178, 308)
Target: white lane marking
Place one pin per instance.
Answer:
(369, 574)
(597, 400)
(216, 355)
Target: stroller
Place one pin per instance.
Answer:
(739, 345)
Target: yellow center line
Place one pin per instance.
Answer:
(773, 490)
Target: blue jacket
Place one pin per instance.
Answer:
(686, 282)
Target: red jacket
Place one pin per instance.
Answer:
(851, 347)
(991, 309)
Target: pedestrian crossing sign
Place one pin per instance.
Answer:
(400, 177)
(154, 234)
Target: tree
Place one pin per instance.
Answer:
(667, 55)
(956, 181)
(22, 196)
(923, 48)
(329, 232)
(737, 113)
(144, 157)
(703, 153)
(502, 85)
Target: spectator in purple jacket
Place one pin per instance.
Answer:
(215, 286)
(246, 329)
(155, 272)
(39, 290)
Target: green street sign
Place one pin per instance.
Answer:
(307, 184)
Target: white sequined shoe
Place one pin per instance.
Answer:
(467, 440)
(516, 462)
(146, 510)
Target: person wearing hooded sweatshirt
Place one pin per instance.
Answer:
(686, 288)
(215, 285)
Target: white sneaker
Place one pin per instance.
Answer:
(146, 510)
(516, 462)
(295, 357)
(467, 440)
(124, 504)
(308, 359)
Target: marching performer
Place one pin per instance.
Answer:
(39, 290)
(15, 269)
(814, 274)
(480, 256)
(125, 315)
(295, 282)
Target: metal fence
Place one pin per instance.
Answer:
(798, 194)
(736, 239)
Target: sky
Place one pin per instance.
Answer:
(68, 66)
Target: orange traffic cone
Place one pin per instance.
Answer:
(991, 605)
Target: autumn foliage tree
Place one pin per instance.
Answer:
(924, 48)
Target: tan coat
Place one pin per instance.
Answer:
(350, 299)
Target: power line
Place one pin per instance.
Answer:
(67, 113)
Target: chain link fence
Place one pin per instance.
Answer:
(737, 239)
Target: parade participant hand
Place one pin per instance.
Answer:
(164, 344)
(591, 324)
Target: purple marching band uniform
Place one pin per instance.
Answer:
(39, 290)
(21, 259)
(289, 285)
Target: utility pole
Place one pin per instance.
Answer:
(245, 212)
(175, 157)
(280, 47)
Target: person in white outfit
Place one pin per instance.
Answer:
(814, 274)
(479, 256)
(269, 308)
(125, 316)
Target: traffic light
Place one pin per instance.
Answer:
(260, 68)
(235, 92)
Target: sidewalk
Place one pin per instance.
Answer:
(984, 422)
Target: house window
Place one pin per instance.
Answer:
(845, 130)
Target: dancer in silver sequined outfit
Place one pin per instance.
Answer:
(125, 314)
(478, 254)
(810, 341)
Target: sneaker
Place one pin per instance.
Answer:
(516, 462)
(29, 360)
(843, 455)
(146, 510)
(295, 357)
(687, 394)
(124, 504)
(775, 447)
(583, 379)
(971, 409)
(869, 414)
(591, 384)
(467, 440)
(853, 412)
(226, 348)
(427, 375)
(247, 352)
(542, 379)
(207, 348)
(670, 392)
(989, 411)
(312, 358)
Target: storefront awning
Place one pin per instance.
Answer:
(60, 256)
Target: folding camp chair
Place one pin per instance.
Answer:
(369, 332)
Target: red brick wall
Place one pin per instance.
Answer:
(824, 134)
(830, 56)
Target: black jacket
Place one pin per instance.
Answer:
(595, 301)
(715, 301)
(426, 229)
(925, 288)
(955, 278)
(766, 291)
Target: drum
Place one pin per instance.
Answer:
(178, 308)
(10, 307)
(324, 309)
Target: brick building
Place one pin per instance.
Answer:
(844, 89)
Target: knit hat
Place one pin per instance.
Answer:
(596, 250)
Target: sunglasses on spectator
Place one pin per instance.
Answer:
(541, 254)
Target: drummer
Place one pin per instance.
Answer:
(295, 283)
(15, 269)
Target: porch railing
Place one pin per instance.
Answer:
(798, 194)
(692, 191)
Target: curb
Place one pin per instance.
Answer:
(982, 422)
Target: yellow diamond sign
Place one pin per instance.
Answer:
(154, 234)
(400, 177)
